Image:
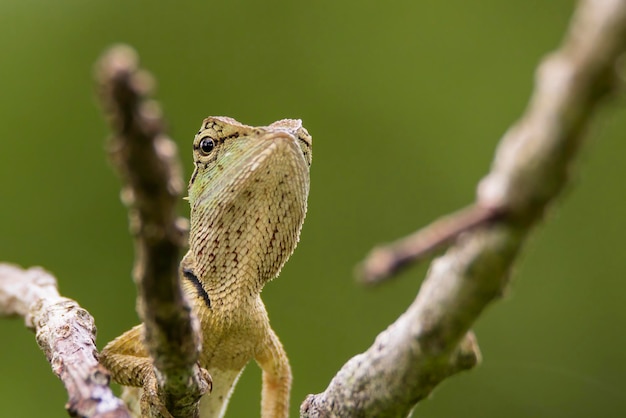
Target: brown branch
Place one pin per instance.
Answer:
(148, 163)
(386, 260)
(66, 333)
(529, 170)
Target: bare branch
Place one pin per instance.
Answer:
(386, 260)
(148, 163)
(66, 333)
(529, 170)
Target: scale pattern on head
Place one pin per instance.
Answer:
(248, 198)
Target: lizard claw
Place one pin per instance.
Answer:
(206, 380)
(152, 404)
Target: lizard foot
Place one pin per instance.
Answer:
(153, 405)
(207, 381)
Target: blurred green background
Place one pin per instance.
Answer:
(405, 101)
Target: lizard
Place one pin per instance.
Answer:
(248, 198)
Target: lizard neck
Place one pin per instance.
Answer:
(230, 258)
(220, 289)
(233, 287)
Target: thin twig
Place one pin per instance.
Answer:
(66, 333)
(529, 170)
(148, 163)
(386, 260)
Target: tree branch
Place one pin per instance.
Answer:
(530, 168)
(66, 333)
(386, 260)
(148, 163)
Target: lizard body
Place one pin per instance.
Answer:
(248, 197)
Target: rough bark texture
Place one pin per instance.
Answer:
(66, 333)
(530, 168)
(148, 164)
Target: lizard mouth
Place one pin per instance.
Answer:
(275, 144)
(277, 171)
(294, 127)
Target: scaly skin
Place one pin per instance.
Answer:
(248, 198)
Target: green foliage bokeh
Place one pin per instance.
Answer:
(405, 101)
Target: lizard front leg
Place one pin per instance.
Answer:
(276, 378)
(130, 365)
(127, 359)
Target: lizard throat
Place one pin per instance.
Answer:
(246, 219)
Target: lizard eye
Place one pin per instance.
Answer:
(206, 145)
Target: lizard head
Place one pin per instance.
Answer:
(248, 196)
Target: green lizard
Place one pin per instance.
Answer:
(248, 196)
